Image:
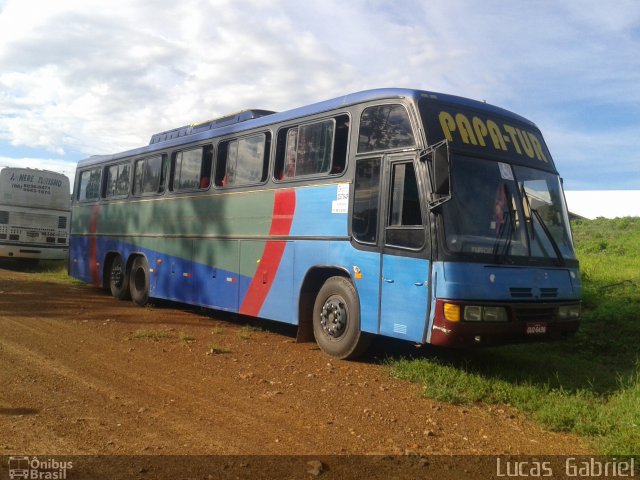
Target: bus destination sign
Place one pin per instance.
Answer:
(483, 134)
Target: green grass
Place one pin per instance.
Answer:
(152, 335)
(185, 337)
(57, 272)
(246, 332)
(590, 384)
(215, 349)
(52, 270)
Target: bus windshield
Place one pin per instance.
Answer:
(506, 211)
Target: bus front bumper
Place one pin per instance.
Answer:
(525, 323)
(8, 250)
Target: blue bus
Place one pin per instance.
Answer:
(402, 213)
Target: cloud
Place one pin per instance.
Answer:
(98, 77)
(591, 162)
(96, 80)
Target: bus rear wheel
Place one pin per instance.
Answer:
(139, 281)
(336, 320)
(118, 279)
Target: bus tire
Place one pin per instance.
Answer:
(336, 320)
(139, 281)
(118, 279)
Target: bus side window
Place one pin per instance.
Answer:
(89, 188)
(221, 164)
(243, 161)
(385, 127)
(192, 169)
(312, 149)
(364, 222)
(281, 144)
(315, 145)
(124, 174)
(149, 175)
(231, 164)
(117, 181)
(110, 181)
(207, 166)
(253, 158)
(291, 155)
(341, 143)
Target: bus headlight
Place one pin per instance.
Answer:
(494, 314)
(474, 313)
(569, 311)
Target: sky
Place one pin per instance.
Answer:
(86, 77)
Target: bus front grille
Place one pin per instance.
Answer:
(533, 314)
(521, 292)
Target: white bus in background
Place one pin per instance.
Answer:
(34, 214)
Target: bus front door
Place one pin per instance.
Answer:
(405, 266)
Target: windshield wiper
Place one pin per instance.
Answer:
(527, 212)
(552, 240)
(509, 238)
(545, 229)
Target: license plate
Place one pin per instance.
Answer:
(32, 234)
(536, 328)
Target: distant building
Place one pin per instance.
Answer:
(604, 203)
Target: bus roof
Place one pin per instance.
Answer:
(248, 119)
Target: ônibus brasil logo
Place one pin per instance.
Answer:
(37, 469)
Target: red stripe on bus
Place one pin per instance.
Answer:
(93, 246)
(283, 208)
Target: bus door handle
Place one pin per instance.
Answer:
(420, 284)
(388, 280)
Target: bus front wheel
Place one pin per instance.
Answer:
(336, 320)
(139, 281)
(118, 279)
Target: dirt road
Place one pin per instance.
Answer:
(82, 373)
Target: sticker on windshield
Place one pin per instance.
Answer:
(505, 171)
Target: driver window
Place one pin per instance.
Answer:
(404, 224)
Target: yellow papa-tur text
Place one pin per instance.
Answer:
(477, 132)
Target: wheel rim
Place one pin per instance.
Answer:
(116, 274)
(334, 317)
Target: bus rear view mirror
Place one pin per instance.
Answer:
(439, 171)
